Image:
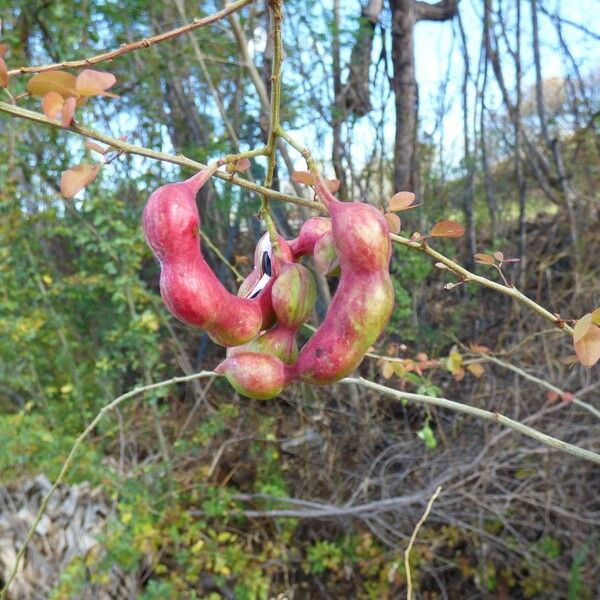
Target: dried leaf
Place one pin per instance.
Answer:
(421, 356)
(479, 348)
(68, 111)
(567, 397)
(401, 201)
(552, 396)
(582, 327)
(588, 346)
(394, 222)
(96, 147)
(3, 73)
(476, 369)
(596, 316)
(52, 106)
(93, 83)
(304, 177)
(447, 229)
(484, 259)
(3, 50)
(416, 236)
(61, 82)
(570, 360)
(333, 185)
(499, 256)
(77, 178)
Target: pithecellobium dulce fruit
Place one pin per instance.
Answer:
(189, 288)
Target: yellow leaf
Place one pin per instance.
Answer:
(47, 279)
(596, 316)
(476, 369)
(66, 389)
(454, 362)
(582, 327)
(387, 370)
(61, 82)
(126, 517)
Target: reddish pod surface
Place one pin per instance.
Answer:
(259, 376)
(363, 301)
(309, 234)
(189, 288)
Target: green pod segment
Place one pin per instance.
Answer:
(325, 256)
(294, 295)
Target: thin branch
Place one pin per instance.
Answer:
(480, 413)
(143, 43)
(178, 159)
(413, 537)
(468, 276)
(78, 442)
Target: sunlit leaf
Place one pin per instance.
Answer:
(401, 201)
(588, 346)
(75, 179)
(304, 177)
(387, 370)
(3, 73)
(394, 222)
(582, 327)
(484, 259)
(92, 83)
(447, 229)
(61, 82)
(454, 361)
(68, 111)
(476, 369)
(52, 106)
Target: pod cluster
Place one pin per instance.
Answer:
(259, 325)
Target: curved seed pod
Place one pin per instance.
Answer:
(279, 341)
(325, 256)
(294, 295)
(259, 376)
(189, 288)
(363, 301)
(310, 232)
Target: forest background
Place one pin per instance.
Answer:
(490, 113)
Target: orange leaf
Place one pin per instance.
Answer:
(447, 229)
(582, 327)
(588, 347)
(394, 222)
(401, 201)
(52, 105)
(304, 177)
(333, 185)
(484, 259)
(92, 83)
(3, 50)
(96, 148)
(61, 82)
(68, 111)
(476, 369)
(3, 73)
(479, 348)
(77, 178)
(552, 396)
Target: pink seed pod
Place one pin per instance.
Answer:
(279, 341)
(310, 232)
(294, 295)
(259, 376)
(325, 256)
(190, 289)
(364, 299)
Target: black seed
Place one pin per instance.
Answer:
(266, 264)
